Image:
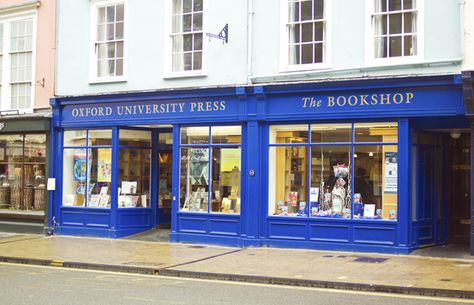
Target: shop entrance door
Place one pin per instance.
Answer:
(165, 157)
(459, 197)
(426, 196)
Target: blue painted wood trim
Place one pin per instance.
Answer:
(153, 200)
(254, 189)
(175, 178)
(404, 184)
(472, 187)
(114, 184)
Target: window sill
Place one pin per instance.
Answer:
(394, 61)
(177, 75)
(108, 80)
(304, 68)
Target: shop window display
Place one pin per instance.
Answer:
(134, 169)
(210, 169)
(316, 176)
(22, 171)
(87, 170)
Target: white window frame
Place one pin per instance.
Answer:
(168, 45)
(6, 20)
(399, 60)
(93, 73)
(327, 55)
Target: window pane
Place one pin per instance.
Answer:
(197, 42)
(327, 133)
(380, 47)
(375, 182)
(289, 134)
(129, 137)
(395, 21)
(380, 25)
(188, 61)
(110, 13)
(226, 134)
(408, 4)
(318, 52)
(100, 137)
(318, 9)
(119, 30)
(12, 146)
(194, 179)
(307, 33)
(134, 178)
(330, 181)
(74, 177)
(197, 5)
(99, 176)
(165, 138)
(376, 132)
(294, 33)
(318, 31)
(394, 5)
(288, 176)
(120, 14)
(74, 138)
(306, 10)
(380, 6)
(293, 11)
(187, 6)
(101, 15)
(15, 183)
(307, 54)
(188, 42)
(35, 148)
(197, 22)
(226, 180)
(395, 46)
(195, 135)
(187, 23)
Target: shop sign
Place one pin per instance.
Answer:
(148, 109)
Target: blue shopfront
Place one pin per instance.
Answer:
(366, 165)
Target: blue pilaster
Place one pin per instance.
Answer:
(175, 182)
(472, 186)
(404, 184)
(114, 180)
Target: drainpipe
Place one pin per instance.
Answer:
(250, 13)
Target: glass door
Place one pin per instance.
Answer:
(165, 157)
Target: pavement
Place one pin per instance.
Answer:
(418, 274)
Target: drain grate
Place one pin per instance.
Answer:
(368, 259)
(197, 247)
(327, 255)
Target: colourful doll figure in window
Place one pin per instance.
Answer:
(338, 195)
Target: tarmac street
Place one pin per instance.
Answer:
(403, 274)
(53, 286)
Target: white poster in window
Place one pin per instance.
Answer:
(391, 172)
(314, 194)
(369, 210)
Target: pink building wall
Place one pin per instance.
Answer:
(45, 45)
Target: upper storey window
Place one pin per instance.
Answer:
(395, 31)
(109, 40)
(187, 35)
(306, 27)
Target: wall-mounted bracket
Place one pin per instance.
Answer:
(223, 34)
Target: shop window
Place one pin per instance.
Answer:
(134, 168)
(210, 169)
(87, 170)
(306, 30)
(187, 35)
(22, 171)
(394, 26)
(318, 179)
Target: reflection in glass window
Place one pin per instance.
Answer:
(194, 186)
(134, 178)
(376, 132)
(330, 181)
(22, 171)
(289, 134)
(210, 171)
(226, 180)
(332, 175)
(130, 137)
(289, 177)
(375, 182)
(87, 171)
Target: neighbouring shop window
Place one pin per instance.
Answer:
(306, 30)
(210, 169)
(134, 169)
(334, 170)
(109, 40)
(187, 35)
(22, 171)
(87, 168)
(394, 24)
